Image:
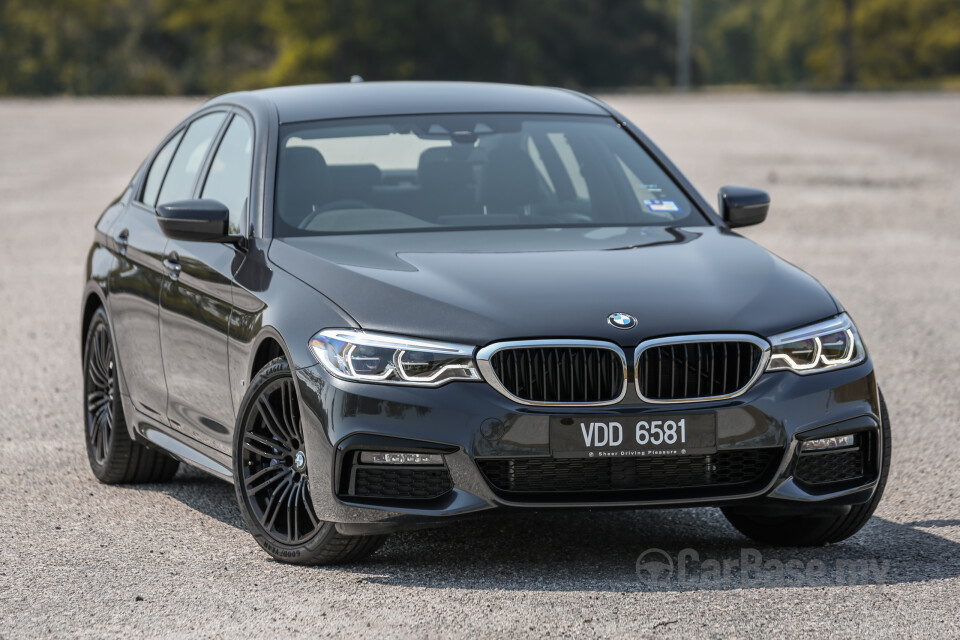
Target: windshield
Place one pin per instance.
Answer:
(469, 171)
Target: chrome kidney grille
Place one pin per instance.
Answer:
(568, 373)
(698, 369)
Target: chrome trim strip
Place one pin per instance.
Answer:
(183, 451)
(488, 374)
(692, 339)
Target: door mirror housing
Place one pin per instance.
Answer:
(195, 220)
(743, 206)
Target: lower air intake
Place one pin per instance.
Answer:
(829, 467)
(607, 478)
(392, 482)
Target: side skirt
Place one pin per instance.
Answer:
(178, 445)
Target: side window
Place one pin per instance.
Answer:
(188, 159)
(158, 169)
(229, 177)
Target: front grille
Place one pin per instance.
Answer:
(550, 478)
(400, 482)
(829, 467)
(696, 370)
(559, 374)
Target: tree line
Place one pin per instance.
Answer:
(107, 47)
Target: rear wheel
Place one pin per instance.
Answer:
(815, 529)
(114, 457)
(272, 482)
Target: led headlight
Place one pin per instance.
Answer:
(820, 347)
(370, 357)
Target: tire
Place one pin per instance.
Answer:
(270, 477)
(114, 457)
(815, 529)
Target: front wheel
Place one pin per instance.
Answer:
(270, 469)
(815, 529)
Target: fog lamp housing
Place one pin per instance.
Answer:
(396, 457)
(826, 444)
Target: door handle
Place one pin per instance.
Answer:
(123, 239)
(172, 264)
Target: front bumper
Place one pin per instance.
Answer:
(470, 421)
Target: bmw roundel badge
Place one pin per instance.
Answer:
(622, 320)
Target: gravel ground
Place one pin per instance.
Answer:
(864, 191)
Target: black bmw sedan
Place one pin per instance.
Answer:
(375, 306)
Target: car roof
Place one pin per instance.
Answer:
(361, 99)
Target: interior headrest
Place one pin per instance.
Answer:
(303, 180)
(510, 179)
(354, 176)
(443, 167)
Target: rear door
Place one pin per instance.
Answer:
(135, 290)
(196, 300)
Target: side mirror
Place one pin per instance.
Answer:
(196, 220)
(743, 206)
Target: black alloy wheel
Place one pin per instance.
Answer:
(100, 392)
(114, 457)
(274, 466)
(271, 477)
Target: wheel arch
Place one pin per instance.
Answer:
(268, 345)
(93, 299)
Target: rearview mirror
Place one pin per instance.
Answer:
(743, 206)
(196, 220)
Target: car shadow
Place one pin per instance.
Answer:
(202, 492)
(613, 550)
(643, 550)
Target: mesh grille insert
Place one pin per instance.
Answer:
(401, 483)
(830, 467)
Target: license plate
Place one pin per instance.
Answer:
(605, 437)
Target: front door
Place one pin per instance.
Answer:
(196, 302)
(195, 306)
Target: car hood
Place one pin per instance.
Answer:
(482, 286)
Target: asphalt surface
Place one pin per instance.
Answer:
(865, 192)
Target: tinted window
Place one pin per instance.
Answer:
(160, 164)
(469, 170)
(229, 177)
(186, 163)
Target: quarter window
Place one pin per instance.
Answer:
(186, 163)
(229, 177)
(159, 168)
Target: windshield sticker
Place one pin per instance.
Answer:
(661, 206)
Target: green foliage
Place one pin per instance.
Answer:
(758, 41)
(212, 46)
(898, 41)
